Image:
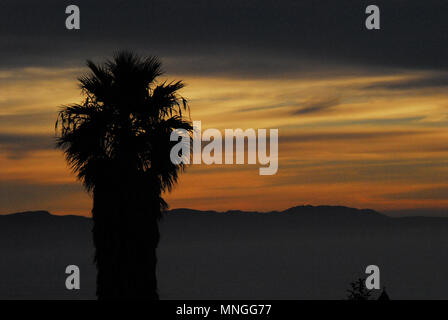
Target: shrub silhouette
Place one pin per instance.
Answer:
(358, 290)
(118, 144)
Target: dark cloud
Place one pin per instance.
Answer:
(430, 81)
(434, 193)
(400, 121)
(19, 145)
(246, 37)
(316, 106)
(342, 136)
(268, 107)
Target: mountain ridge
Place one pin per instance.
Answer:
(308, 211)
(295, 210)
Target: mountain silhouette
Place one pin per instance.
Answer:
(305, 211)
(304, 252)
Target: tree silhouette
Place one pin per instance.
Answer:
(358, 290)
(384, 295)
(118, 144)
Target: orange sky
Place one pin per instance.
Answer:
(354, 139)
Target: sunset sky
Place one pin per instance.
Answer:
(362, 115)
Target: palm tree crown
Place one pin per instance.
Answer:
(124, 123)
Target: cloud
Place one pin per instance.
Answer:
(229, 37)
(342, 136)
(316, 106)
(21, 119)
(432, 193)
(19, 145)
(373, 122)
(324, 43)
(428, 81)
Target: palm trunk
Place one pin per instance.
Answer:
(126, 235)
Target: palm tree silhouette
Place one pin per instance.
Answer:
(118, 144)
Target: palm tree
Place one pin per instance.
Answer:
(118, 144)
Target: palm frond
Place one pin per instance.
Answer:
(123, 127)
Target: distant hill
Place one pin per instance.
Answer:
(40, 213)
(298, 216)
(305, 209)
(300, 210)
(43, 220)
(27, 213)
(324, 216)
(304, 252)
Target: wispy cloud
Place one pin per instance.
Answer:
(317, 106)
(20, 145)
(431, 193)
(349, 135)
(432, 81)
